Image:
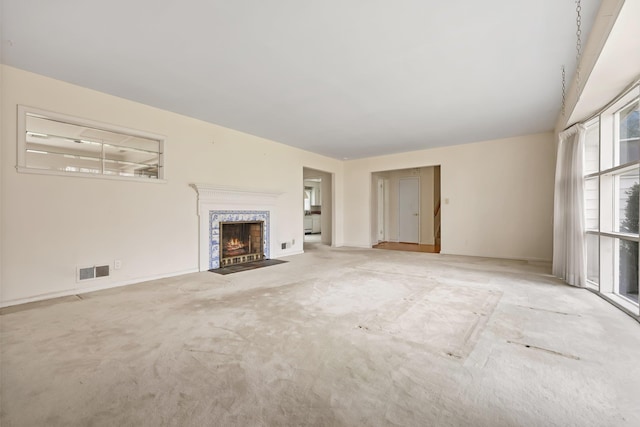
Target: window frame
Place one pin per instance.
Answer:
(609, 171)
(21, 157)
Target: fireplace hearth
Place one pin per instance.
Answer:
(241, 242)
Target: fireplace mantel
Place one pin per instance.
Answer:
(209, 193)
(214, 198)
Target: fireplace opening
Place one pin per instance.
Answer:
(241, 242)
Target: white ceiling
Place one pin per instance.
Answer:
(616, 65)
(343, 78)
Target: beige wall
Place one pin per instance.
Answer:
(52, 224)
(499, 193)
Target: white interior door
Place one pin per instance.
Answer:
(381, 204)
(409, 210)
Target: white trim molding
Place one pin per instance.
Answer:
(97, 286)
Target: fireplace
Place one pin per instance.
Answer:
(217, 205)
(216, 244)
(241, 242)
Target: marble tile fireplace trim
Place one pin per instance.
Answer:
(216, 203)
(216, 217)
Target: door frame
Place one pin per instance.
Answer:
(381, 214)
(326, 195)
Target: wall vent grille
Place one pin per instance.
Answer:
(93, 272)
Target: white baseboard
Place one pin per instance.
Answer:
(510, 258)
(356, 245)
(283, 255)
(93, 288)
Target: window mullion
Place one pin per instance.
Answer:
(612, 248)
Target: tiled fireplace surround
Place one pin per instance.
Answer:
(216, 204)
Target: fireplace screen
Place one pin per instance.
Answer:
(241, 242)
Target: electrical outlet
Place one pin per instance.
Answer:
(117, 264)
(283, 246)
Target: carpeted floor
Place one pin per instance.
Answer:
(334, 337)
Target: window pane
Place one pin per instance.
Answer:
(141, 143)
(131, 155)
(591, 203)
(307, 199)
(50, 142)
(46, 127)
(628, 269)
(62, 162)
(122, 168)
(54, 144)
(627, 184)
(593, 258)
(629, 133)
(592, 148)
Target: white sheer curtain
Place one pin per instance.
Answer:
(569, 252)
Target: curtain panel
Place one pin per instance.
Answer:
(569, 252)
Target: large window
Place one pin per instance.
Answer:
(57, 144)
(612, 181)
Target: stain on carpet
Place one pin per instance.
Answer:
(445, 320)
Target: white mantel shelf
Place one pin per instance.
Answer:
(209, 193)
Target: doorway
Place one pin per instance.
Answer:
(405, 209)
(317, 209)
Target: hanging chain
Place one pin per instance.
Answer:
(564, 91)
(578, 56)
(578, 43)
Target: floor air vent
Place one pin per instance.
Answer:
(94, 272)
